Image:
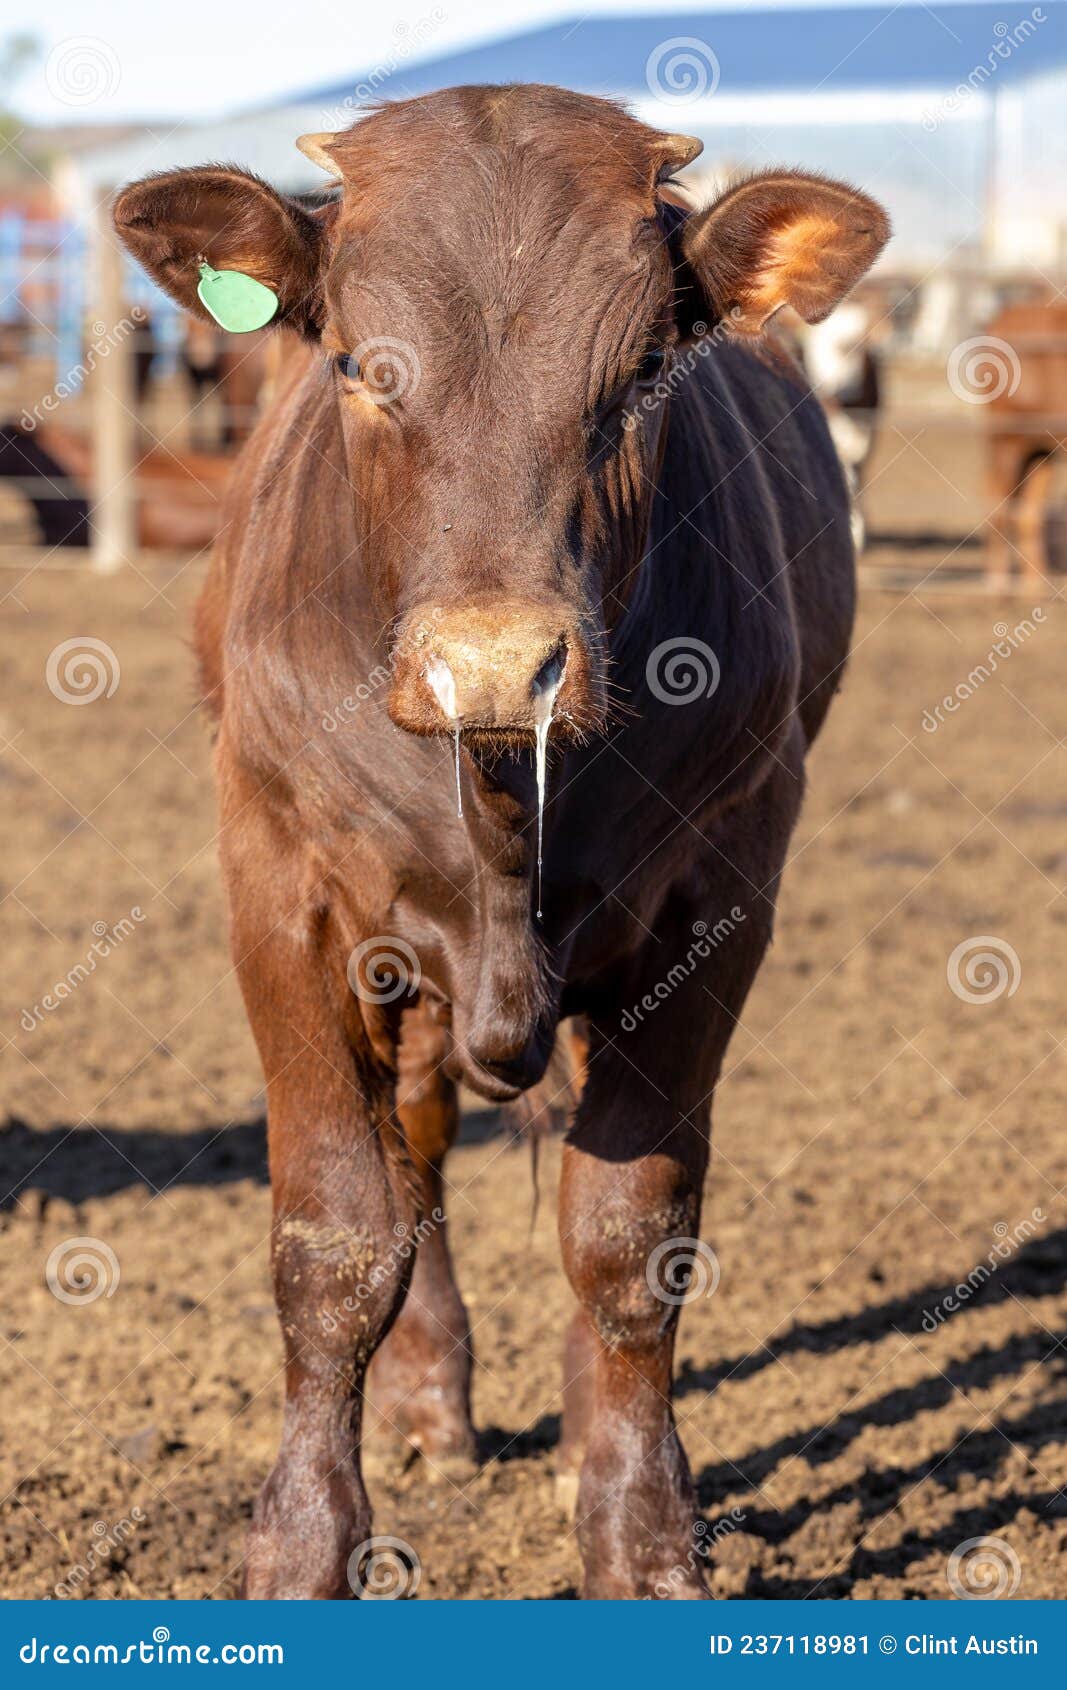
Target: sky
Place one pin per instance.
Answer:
(112, 60)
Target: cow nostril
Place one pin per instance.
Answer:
(550, 675)
(442, 683)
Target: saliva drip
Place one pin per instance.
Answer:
(442, 684)
(544, 704)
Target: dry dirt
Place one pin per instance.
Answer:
(878, 1139)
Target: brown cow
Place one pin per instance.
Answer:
(1018, 369)
(466, 516)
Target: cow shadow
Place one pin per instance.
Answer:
(83, 1162)
(895, 1560)
(1038, 1269)
(975, 1457)
(821, 1445)
(80, 1163)
(497, 1443)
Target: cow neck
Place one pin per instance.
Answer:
(500, 818)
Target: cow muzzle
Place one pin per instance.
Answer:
(500, 669)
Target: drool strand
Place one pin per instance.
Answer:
(547, 687)
(442, 683)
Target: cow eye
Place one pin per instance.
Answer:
(651, 365)
(348, 365)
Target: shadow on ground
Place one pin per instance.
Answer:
(79, 1163)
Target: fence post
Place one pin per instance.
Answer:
(113, 515)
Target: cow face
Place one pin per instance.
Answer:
(499, 294)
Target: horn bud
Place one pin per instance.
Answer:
(314, 147)
(680, 150)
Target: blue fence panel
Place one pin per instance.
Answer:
(47, 261)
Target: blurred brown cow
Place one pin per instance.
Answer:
(1024, 353)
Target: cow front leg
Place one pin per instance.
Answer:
(341, 1208)
(630, 1200)
(620, 1218)
(344, 1204)
(420, 1380)
(338, 1282)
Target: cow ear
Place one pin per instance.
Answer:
(781, 239)
(219, 215)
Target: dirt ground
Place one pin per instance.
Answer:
(879, 1377)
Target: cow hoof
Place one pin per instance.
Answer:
(567, 1495)
(421, 1413)
(678, 1584)
(325, 1531)
(391, 1454)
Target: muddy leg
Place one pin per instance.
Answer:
(630, 1200)
(580, 1345)
(341, 1188)
(335, 1215)
(635, 1501)
(421, 1376)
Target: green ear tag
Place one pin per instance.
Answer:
(237, 302)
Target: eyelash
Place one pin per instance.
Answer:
(651, 365)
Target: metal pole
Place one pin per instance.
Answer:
(113, 516)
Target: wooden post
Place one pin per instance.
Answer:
(113, 516)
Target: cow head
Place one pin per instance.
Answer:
(498, 293)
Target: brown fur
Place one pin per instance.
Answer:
(531, 484)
